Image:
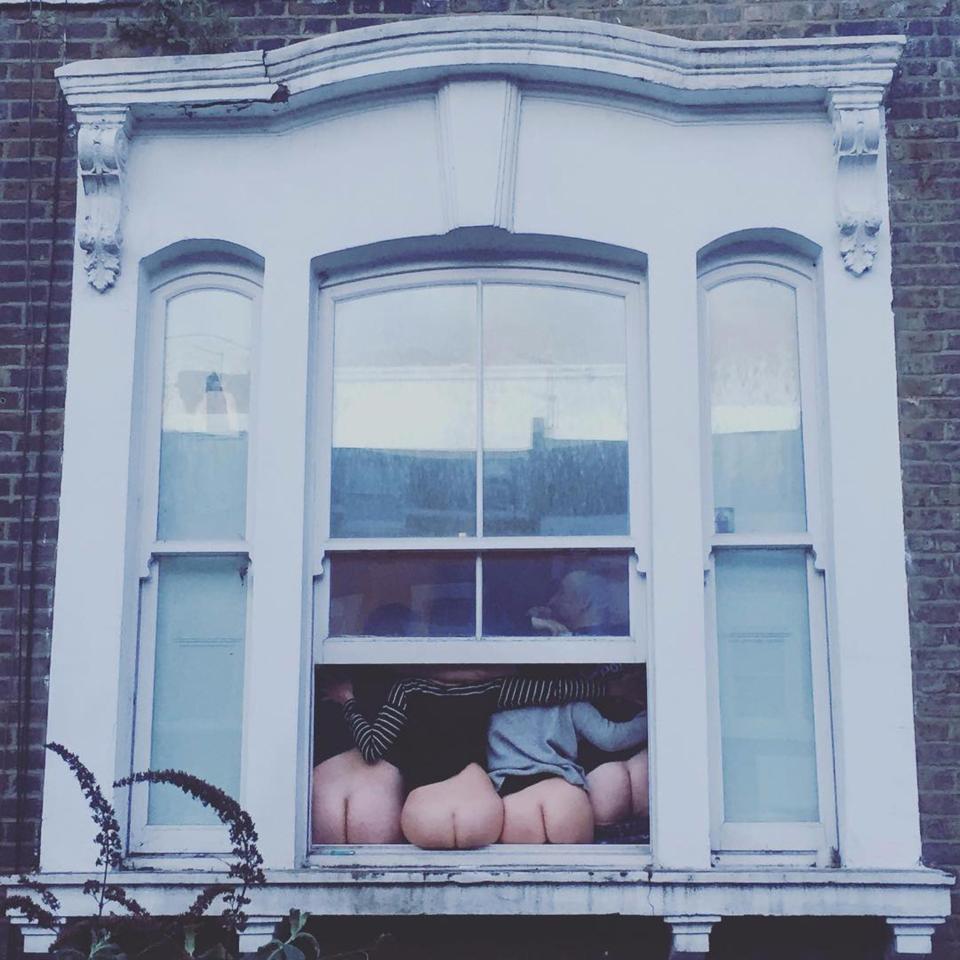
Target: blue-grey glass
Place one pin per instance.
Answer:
(554, 411)
(206, 403)
(755, 414)
(198, 681)
(766, 690)
(402, 595)
(556, 593)
(404, 414)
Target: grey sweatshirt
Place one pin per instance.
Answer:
(536, 740)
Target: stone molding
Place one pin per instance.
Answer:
(101, 156)
(913, 902)
(848, 74)
(857, 134)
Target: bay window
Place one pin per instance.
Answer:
(513, 377)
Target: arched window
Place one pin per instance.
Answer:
(764, 523)
(197, 412)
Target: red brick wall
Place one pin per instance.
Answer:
(924, 156)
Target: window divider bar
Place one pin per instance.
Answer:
(759, 540)
(175, 548)
(479, 401)
(473, 544)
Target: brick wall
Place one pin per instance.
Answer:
(36, 215)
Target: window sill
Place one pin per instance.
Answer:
(621, 882)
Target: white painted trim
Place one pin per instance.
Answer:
(809, 843)
(164, 285)
(914, 900)
(398, 54)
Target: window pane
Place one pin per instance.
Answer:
(402, 595)
(206, 404)
(556, 593)
(755, 408)
(198, 681)
(555, 411)
(766, 692)
(405, 408)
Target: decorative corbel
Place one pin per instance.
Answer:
(102, 156)
(857, 118)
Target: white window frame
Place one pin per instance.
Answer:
(812, 843)
(548, 271)
(426, 650)
(166, 284)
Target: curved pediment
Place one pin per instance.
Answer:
(478, 69)
(533, 49)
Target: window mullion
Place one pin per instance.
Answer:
(479, 417)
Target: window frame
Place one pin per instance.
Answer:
(546, 272)
(166, 284)
(812, 843)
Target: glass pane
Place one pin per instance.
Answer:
(198, 681)
(556, 593)
(554, 411)
(766, 691)
(402, 595)
(206, 408)
(592, 735)
(404, 414)
(755, 408)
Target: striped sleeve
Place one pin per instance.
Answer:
(373, 740)
(531, 692)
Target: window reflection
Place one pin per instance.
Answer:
(755, 408)
(404, 427)
(557, 593)
(206, 406)
(554, 411)
(402, 595)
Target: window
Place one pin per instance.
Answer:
(766, 547)
(197, 411)
(480, 473)
(481, 437)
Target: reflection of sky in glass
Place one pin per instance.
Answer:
(755, 407)
(206, 409)
(206, 383)
(405, 430)
(554, 360)
(754, 360)
(405, 370)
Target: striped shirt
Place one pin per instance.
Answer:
(373, 740)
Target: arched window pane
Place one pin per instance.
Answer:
(404, 414)
(554, 411)
(755, 412)
(206, 409)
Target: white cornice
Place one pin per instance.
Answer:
(846, 75)
(408, 52)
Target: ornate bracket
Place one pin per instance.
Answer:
(857, 122)
(102, 155)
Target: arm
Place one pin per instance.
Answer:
(373, 740)
(606, 734)
(527, 692)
